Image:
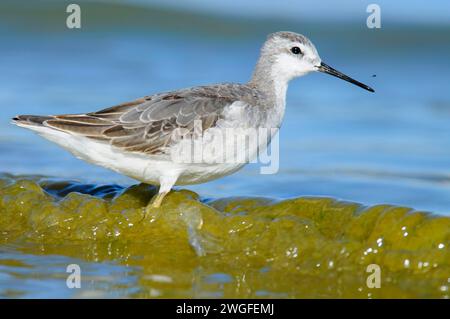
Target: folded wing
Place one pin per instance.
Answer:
(146, 124)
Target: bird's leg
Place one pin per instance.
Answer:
(166, 184)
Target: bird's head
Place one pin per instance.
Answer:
(292, 55)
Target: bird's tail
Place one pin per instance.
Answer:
(30, 120)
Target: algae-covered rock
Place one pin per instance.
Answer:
(234, 247)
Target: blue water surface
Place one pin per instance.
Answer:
(337, 140)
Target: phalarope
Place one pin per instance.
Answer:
(135, 138)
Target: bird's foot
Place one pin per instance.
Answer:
(154, 204)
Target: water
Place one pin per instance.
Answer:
(337, 140)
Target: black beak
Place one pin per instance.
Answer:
(328, 69)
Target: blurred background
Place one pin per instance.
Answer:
(337, 140)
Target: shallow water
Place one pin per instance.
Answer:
(307, 247)
(338, 141)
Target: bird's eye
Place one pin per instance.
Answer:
(296, 50)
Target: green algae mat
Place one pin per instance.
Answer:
(233, 247)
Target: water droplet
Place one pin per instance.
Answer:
(406, 263)
(380, 242)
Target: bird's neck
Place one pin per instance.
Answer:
(274, 86)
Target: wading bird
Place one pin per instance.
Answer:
(136, 138)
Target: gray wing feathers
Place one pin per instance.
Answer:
(146, 125)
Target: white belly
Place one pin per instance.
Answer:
(142, 167)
